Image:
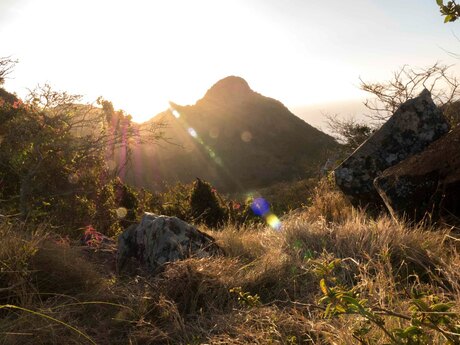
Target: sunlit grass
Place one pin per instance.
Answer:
(264, 289)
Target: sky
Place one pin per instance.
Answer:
(142, 54)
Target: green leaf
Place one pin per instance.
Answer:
(448, 18)
(412, 330)
(351, 300)
(441, 307)
(324, 299)
(420, 305)
(327, 312)
(340, 309)
(334, 263)
(439, 2)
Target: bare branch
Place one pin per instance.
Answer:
(348, 131)
(407, 83)
(6, 67)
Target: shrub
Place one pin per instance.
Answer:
(205, 205)
(175, 201)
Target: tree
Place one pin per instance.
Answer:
(348, 131)
(53, 151)
(407, 83)
(450, 11)
(6, 66)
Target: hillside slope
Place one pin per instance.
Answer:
(233, 137)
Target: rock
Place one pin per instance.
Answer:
(417, 123)
(157, 240)
(426, 182)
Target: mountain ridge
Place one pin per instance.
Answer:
(235, 138)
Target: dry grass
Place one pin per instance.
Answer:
(328, 203)
(191, 301)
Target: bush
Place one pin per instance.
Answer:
(175, 201)
(205, 206)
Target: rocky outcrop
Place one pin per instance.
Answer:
(157, 240)
(417, 123)
(428, 182)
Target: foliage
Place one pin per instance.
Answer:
(450, 11)
(105, 219)
(245, 298)
(53, 154)
(205, 205)
(175, 201)
(199, 203)
(429, 314)
(127, 201)
(6, 66)
(349, 132)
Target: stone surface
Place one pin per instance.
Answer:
(416, 124)
(160, 239)
(426, 182)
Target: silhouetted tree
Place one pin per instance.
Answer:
(6, 66)
(348, 131)
(407, 83)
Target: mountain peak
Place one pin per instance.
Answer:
(229, 88)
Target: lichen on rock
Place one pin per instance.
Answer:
(157, 240)
(417, 123)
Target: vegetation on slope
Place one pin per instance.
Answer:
(330, 276)
(234, 138)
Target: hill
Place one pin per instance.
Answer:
(233, 137)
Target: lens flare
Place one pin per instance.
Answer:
(273, 221)
(121, 212)
(211, 153)
(219, 162)
(192, 132)
(260, 207)
(214, 133)
(246, 136)
(175, 113)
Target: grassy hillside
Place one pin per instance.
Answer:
(330, 276)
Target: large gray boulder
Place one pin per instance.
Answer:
(417, 123)
(428, 182)
(157, 240)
